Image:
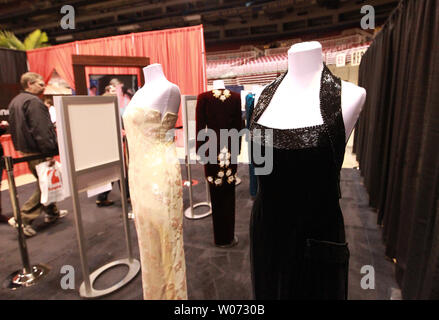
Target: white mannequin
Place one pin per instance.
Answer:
(218, 84)
(296, 103)
(158, 93)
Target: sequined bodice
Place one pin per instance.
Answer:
(328, 136)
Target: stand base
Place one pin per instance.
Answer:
(20, 279)
(188, 213)
(134, 267)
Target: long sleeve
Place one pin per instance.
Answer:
(40, 126)
(201, 119)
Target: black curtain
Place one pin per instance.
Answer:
(13, 63)
(397, 142)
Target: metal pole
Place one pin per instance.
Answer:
(28, 275)
(17, 214)
(208, 193)
(80, 236)
(189, 176)
(125, 212)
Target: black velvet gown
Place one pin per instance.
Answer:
(298, 248)
(217, 110)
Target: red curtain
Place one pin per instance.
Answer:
(111, 46)
(45, 60)
(180, 52)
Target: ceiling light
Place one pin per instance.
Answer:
(64, 38)
(195, 17)
(128, 27)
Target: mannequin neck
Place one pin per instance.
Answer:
(305, 63)
(218, 84)
(153, 72)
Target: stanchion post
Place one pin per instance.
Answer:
(28, 275)
(123, 191)
(17, 215)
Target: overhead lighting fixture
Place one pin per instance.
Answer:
(64, 38)
(128, 27)
(194, 17)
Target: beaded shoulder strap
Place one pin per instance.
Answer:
(330, 100)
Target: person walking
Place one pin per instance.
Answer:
(33, 133)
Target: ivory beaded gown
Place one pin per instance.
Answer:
(156, 196)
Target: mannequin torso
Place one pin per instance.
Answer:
(158, 93)
(296, 103)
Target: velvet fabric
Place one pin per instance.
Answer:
(215, 114)
(297, 237)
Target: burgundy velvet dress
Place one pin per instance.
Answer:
(216, 110)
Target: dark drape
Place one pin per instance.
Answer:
(397, 139)
(13, 64)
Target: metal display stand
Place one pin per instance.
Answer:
(28, 275)
(78, 179)
(189, 106)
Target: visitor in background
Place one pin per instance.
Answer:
(124, 95)
(33, 133)
(93, 91)
(48, 102)
(114, 88)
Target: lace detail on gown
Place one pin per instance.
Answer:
(157, 201)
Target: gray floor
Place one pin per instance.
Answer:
(212, 273)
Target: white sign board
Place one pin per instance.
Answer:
(89, 139)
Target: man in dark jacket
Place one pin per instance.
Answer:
(33, 133)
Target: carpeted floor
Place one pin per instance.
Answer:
(212, 273)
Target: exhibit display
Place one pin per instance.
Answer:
(298, 246)
(262, 151)
(220, 109)
(156, 186)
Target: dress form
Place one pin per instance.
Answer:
(155, 186)
(158, 93)
(218, 84)
(302, 85)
